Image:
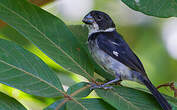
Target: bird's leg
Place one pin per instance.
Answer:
(171, 85)
(104, 86)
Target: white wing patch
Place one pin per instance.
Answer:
(114, 43)
(116, 53)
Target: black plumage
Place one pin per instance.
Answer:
(116, 43)
(113, 54)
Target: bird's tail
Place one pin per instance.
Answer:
(161, 100)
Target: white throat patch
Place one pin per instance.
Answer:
(94, 28)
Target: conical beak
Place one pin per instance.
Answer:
(88, 19)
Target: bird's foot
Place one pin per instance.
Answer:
(171, 85)
(104, 86)
(94, 86)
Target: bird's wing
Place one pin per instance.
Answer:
(114, 45)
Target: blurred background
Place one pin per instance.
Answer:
(153, 39)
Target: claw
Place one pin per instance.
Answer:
(104, 86)
(110, 87)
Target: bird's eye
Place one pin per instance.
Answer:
(99, 18)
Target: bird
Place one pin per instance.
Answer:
(111, 52)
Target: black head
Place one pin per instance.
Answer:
(100, 18)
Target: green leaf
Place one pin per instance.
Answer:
(79, 90)
(25, 71)
(124, 98)
(81, 33)
(11, 34)
(89, 104)
(8, 103)
(158, 8)
(174, 106)
(48, 33)
(55, 104)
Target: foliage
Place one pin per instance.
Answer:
(164, 9)
(66, 46)
(8, 103)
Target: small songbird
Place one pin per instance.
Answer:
(113, 54)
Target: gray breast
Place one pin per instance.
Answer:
(108, 63)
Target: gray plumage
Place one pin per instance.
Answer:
(113, 54)
(108, 63)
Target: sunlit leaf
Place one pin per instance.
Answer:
(25, 71)
(48, 33)
(8, 103)
(159, 8)
(11, 34)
